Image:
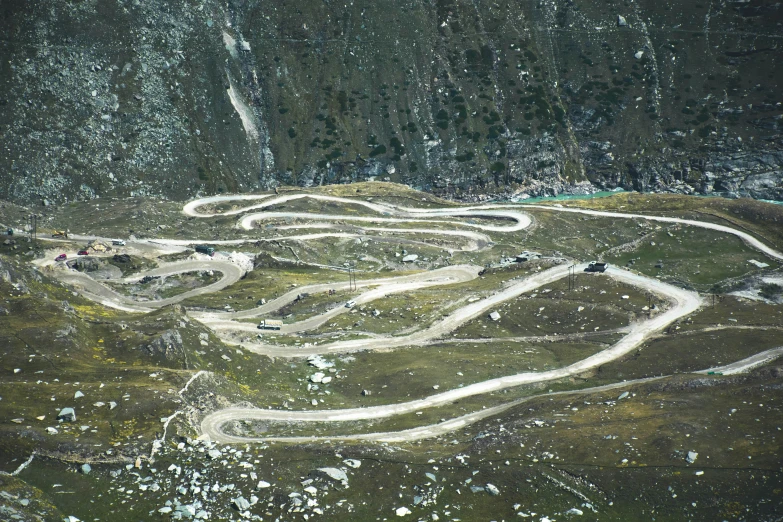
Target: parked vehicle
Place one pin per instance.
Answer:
(82, 253)
(118, 242)
(204, 249)
(60, 233)
(61, 257)
(350, 304)
(596, 266)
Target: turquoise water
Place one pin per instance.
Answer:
(566, 197)
(607, 193)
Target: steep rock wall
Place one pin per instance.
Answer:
(465, 99)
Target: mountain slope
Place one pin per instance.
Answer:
(183, 97)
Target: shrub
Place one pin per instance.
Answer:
(770, 291)
(380, 149)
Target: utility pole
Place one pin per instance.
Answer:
(32, 226)
(572, 278)
(352, 279)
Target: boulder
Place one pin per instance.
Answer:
(241, 503)
(214, 454)
(334, 474)
(67, 415)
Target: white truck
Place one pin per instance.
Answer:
(270, 324)
(597, 266)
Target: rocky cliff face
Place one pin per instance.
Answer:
(186, 97)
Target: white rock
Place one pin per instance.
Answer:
(638, 55)
(263, 484)
(214, 454)
(352, 463)
(621, 21)
(319, 362)
(317, 377)
(492, 490)
(495, 316)
(402, 511)
(334, 473)
(692, 456)
(241, 503)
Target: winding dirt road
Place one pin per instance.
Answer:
(747, 238)
(100, 293)
(683, 302)
(439, 277)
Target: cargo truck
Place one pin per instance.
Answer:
(204, 249)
